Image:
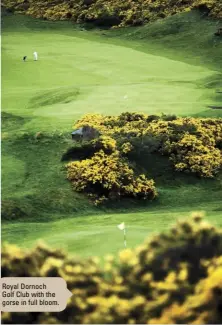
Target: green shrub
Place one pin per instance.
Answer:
(11, 210)
(79, 151)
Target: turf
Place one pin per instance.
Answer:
(97, 235)
(79, 72)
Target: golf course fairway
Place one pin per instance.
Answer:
(81, 72)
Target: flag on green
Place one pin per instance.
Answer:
(123, 227)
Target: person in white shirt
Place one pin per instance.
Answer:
(35, 56)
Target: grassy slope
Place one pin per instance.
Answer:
(192, 33)
(80, 72)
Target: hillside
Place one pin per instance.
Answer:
(80, 72)
(193, 32)
(111, 12)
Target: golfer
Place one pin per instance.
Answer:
(35, 56)
(24, 58)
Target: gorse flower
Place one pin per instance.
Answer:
(108, 176)
(192, 145)
(112, 12)
(178, 281)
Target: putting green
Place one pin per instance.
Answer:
(97, 235)
(75, 76)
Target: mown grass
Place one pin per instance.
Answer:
(98, 234)
(81, 72)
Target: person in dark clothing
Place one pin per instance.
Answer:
(24, 58)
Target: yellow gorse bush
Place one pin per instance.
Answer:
(111, 12)
(172, 278)
(105, 143)
(107, 176)
(192, 145)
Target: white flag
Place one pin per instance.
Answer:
(121, 226)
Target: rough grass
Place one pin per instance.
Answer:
(80, 72)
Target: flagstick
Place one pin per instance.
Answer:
(124, 231)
